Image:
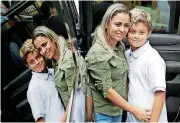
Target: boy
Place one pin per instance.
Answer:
(42, 95)
(147, 70)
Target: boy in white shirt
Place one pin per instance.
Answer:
(147, 69)
(42, 95)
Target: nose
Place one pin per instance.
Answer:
(36, 62)
(121, 28)
(43, 50)
(136, 35)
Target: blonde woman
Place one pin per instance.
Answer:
(54, 47)
(108, 67)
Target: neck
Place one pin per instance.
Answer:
(57, 55)
(45, 70)
(133, 48)
(112, 42)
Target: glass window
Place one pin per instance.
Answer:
(161, 12)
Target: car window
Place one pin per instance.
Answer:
(165, 14)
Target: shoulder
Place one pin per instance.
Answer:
(154, 57)
(98, 53)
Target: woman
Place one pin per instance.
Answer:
(53, 47)
(108, 67)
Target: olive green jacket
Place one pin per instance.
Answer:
(65, 72)
(107, 71)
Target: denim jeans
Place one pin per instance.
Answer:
(106, 118)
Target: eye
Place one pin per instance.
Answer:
(31, 62)
(44, 44)
(132, 31)
(38, 56)
(118, 24)
(141, 33)
(126, 25)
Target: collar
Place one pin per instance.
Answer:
(44, 76)
(117, 47)
(140, 50)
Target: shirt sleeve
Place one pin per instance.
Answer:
(37, 104)
(101, 74)
(156, 76)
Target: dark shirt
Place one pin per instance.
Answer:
(57, 25)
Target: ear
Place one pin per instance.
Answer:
(149, 34)
(27, 65)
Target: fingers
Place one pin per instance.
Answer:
(147, 118)
(148, 110)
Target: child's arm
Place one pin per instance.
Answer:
(157, 105)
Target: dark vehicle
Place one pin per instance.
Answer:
(22, 17)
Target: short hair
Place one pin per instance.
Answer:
(139, 15)
(45, 8)
(27, 48)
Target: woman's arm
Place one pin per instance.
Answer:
(89, 108)
(117, 100)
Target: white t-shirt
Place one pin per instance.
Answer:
(43, 97)
(147, 72)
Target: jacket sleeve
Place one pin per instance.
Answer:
(100, 72)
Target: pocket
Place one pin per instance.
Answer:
(117, 69)
(60, 81)
(116, 63)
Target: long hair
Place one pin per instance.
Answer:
(101, 31)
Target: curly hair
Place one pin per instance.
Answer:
(27, 48)
(139, 15)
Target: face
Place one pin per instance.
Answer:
(45, 46)
(138, 35)
(118, 27)
(35, 62)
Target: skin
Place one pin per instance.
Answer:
(35, 62)
(137, 35)
(118, 28)
(46, 47)
(157, 105)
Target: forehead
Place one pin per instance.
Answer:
(139, 25)
(40, 40)
(121, 17)
(32, 56)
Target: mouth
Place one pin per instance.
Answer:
(120, 35)
(48, 54)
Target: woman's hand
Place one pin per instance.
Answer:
(142, 114)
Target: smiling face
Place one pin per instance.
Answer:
(137, 35)
(45, 46)
(118, 27)
(35, 61)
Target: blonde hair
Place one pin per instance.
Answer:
(101, 30)
(139, 15)
(44, 31)
(27, 48)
